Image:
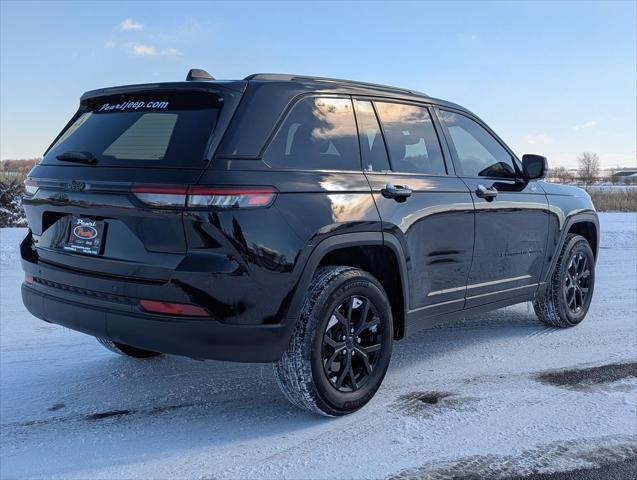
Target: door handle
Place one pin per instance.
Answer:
(487, 193)
(400, 193)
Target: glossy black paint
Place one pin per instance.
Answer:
(510, 240)
(435, 227)
(452, 250)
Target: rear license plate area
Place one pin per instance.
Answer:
(85, 236)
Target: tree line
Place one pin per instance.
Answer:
(588, 172)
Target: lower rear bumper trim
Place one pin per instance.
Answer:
(202, 338)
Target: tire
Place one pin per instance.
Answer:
(571, 285)
(127, 350)
(338, 300)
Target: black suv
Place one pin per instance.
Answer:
(305, 221)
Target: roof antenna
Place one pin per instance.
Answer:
(198, 74)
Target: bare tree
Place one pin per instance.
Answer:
(588, 170)
(561, 175)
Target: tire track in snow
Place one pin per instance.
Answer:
(553, 457)
(429, 407)
(544, 331)
(585, 377)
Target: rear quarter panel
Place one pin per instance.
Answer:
(272, 245)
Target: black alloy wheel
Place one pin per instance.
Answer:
(577, 282)
(351, 344)
(565, 300)
(342, 343)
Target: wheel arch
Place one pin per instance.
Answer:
(589, 230)
(585, 224)
(368, 251)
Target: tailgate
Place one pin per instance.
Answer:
(137, 241)
(117, 142)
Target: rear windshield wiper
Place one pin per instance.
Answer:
(79, 157)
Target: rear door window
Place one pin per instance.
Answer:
(411, 138)
(319, 133)
(169, 129)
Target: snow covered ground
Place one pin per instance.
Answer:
(476, 397)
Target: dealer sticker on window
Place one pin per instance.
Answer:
(134, 105)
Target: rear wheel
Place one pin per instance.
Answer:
(342, 344)
(566, 300)
(127, 350)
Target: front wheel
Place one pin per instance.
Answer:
(341, 346)
(565, 301)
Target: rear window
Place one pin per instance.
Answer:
(164, 129)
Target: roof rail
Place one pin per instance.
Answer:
(284, 77)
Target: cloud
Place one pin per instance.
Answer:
(590, 124)
(130, 24)
(150, 50)
(538, 139)
(139, 49)
(170, 51)
(110, 44)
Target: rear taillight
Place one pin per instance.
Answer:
(199, 197)
(30, 187)
(205, 197)
(161, 196)
(168, 308)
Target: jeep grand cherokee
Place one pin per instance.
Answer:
(304, 221)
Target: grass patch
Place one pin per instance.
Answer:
(614, 199)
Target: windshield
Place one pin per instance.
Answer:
(163, 129)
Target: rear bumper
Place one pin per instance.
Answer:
(187, 336)
(85, 303)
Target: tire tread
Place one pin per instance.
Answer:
(547, 306)
(294, 370)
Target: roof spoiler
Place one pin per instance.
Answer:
(196, 74)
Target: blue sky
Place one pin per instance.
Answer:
(555, 78)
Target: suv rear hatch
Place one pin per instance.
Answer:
(109, 194)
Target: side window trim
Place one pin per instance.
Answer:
(382, 133)
(441, 131)
(383, 137)
(283, 117)
(452, 148)
(429, 108)
(358, 132)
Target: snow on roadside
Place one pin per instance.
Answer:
(70, 409)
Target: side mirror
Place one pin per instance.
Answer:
(534, 166)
